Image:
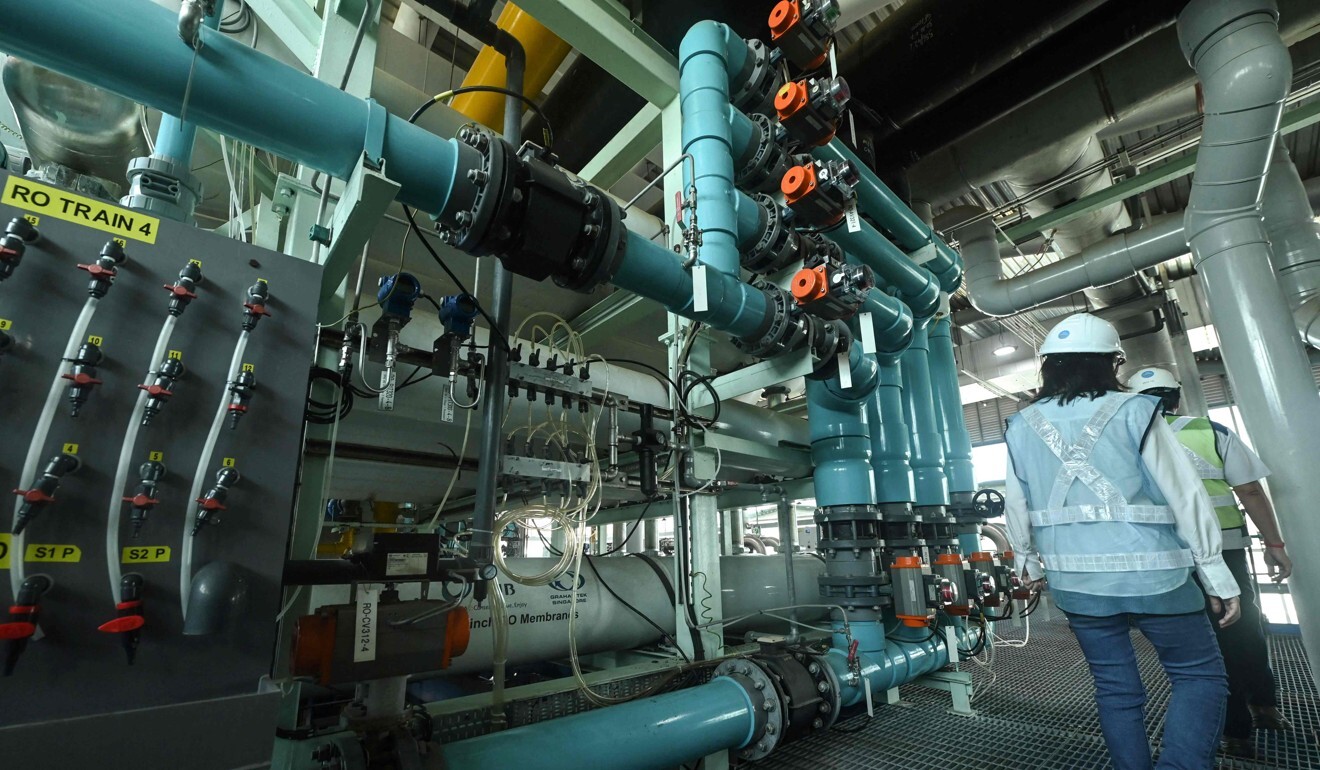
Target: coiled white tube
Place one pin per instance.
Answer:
(203, 467)
(115, 510)
(39, 436)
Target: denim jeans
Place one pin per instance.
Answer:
(1189, 652)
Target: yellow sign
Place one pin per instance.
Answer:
(67, 554)
(249, 368)
(177, 355)
(32, 220)
(70, 449)
(52, 201)
(156, 457)
(5, 324)
(95, 340)
(146, 554)
(4, 549)
(197, 262)
(228, 462)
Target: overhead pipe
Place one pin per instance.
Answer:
(174, 137)
(1294, 242)
(1245, 73)
(544, 53)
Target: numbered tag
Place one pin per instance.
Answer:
(95, 340)
(32, 219)
(870, 705)
(123, 244)
(176, 355)
(845, 371)
(156, 457)
(385, 401)
(364, 631)
(146, 554)
(447, 403)
(5, 324)
(228, 462)
(853, 218)
(700, 290)
(834, 62)
(197, 262)
(868, 333)
(70, 449)
(249, 368)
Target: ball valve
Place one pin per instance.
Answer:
(83, 376)
(19, 234)
(804, 30)
(43, 491)
(809, 110)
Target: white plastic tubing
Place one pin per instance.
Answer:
(203, 468)
(39, 436)
(116, 505)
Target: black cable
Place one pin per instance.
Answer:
(322, 412)
(637, 522)
(532, 105)
(666, 379)
(431, 299)
(706, 382)
(663, 633)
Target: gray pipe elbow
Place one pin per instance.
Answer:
(219, 594)
(989, 292)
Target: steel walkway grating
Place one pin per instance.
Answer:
(1037, 710)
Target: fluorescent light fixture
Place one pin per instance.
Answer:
(1005, 350)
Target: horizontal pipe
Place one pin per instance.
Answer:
(895, 217)
(1109, 261)
(657, 733)
(132, 47)
(916, 286)
(904, 656)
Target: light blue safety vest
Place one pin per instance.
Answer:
(1101, 526)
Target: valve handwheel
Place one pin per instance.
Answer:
(988, 503)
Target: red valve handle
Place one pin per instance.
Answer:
(211, 504)
(99, 273)
(34, 496)
(82, 379)
(179, 291)
(256, 309)
(17, 630)
(7, 254)
(123, 625)
(156, 391)
(142, 501)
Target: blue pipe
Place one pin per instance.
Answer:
(930, 485)
(656, 273)
(132, 47)
(709, 53)
(174, 137)
(889, 436)
(658, 733)
(904, 656)
(891, 321)
(840, 442)
(916, 286)
(896, 218)
(948, 402)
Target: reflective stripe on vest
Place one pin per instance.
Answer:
(1076, 458)
(1120, 562)
(1077, 514)
(1204, 454)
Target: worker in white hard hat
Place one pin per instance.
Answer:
(1101, 499)
(1232, 473)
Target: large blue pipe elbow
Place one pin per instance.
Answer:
(916, 286)
(132, 47)
(891, 321)
(930, 484)
(658, 733)
(948, 400)
(896, 218)
(889, 436)
(840, 441)
(708, 54)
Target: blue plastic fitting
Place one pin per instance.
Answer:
(904, 656)
(840, 441)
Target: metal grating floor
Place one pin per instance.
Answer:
(1037, 710)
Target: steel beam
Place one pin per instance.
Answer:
(296, 25)
(628, 148)
(602, 31)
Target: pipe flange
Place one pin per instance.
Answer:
(766, 703)
(606, 243)
(768, 162)
(857, 593)
(494, 192)
(818, 250)
(784, 332)
(163, 187)
(828, 340)
(828, 685)
(753, 89)
(779, 245)
(897, 513)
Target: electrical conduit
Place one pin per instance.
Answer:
(1245, 71)
(17, 574)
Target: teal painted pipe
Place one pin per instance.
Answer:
(916, 286)
(840, 442)
(969, 543)
(907, 654)
(930, 485)
(889, 436)
(174, 137)
(658, 733)
(891, 322)
(896, 218)
(656, 273)
(132, 48)
(708, 53)
(948, 402)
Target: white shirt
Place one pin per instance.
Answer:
(1194, 518)
(1241, 466)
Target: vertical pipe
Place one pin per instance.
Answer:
(889, 436)
(1245, 72)
(787, 534)
(1189, 373)
(174, 137)
(497, 366)
(840, 442)
(948, 401)
(651, 535)
(930, 484)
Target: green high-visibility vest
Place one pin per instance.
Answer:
(1197, 436)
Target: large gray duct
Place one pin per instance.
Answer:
(1294, 242)
(1135, 81)
(73, 126)
(1245, 72)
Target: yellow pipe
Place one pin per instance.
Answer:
(545, 52)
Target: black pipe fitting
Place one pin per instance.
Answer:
(83, 376)
(254, 309)
(144, 498)
(765, 160)
(212, 503)
(646, 441)
(129, 618)
(19, 233)
(159, 391)
(184, 290)
(23, 616)
(779, 245)
(104, 269)
(240, 394)
(42, 492)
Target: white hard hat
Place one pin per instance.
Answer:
(1082, 333)
(1151, 378)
